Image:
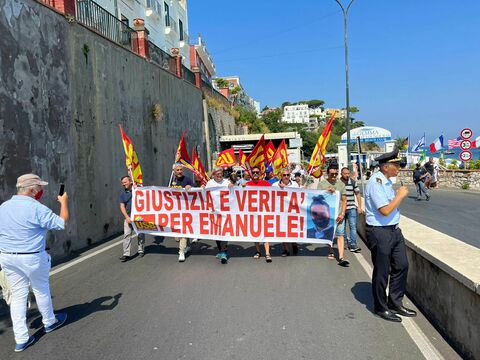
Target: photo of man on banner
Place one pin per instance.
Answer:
(321, 216)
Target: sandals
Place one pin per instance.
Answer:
(257, 255)
(331, 256)
(268, 258)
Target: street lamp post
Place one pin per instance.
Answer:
(347, 88)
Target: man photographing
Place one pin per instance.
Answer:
(24, 223)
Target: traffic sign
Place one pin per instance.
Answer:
(466, 155)
(465, 144)
(466, 133)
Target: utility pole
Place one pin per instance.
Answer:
(347, 87)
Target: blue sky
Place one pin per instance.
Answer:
(414, 65)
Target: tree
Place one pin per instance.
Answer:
(286, 103)
(221, 83)
(400, 142)
(315, 103)
(249, 118)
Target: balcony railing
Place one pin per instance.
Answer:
(94, 16)
(170, 23)
(188, 75)
(161, 58)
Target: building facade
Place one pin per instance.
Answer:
(201, 59)
(312, 117)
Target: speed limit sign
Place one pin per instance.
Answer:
(465, 144)
(466, 155)
(466, 133)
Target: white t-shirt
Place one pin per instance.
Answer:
(292, 184)
(213, 183)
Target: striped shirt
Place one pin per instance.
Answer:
(351, 189)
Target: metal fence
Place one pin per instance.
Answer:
(91, 14)
(188, 75)
(161, 58)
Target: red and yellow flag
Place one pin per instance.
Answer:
(131, 159)
(241, 158)
(280, 159)
(269, 152)
(257, 156)
(226, 158)
(318, 155)
(181, 155)
(198, 166)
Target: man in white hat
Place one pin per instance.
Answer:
(24, 223)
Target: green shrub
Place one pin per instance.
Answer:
(466, 186)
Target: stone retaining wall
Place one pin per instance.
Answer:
(457, 179)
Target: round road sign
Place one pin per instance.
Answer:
(466, 133)
(465, 144)
(466, 155)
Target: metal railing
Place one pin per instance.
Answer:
(188, 75)
(169, 22)
(161, 58)
(90, 14)
(184, 37)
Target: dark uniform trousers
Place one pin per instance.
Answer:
(389, 257)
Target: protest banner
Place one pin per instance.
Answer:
(237, 214)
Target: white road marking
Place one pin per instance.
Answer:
(60, 268)
(417, 335)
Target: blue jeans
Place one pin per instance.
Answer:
(351, 218)
(421, 188)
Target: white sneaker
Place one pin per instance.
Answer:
(181, 257)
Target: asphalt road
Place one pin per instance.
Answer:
(303, 307)
(453, 212)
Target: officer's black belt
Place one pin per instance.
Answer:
(19, 253)
(385, 226)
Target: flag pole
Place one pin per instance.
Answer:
(408, 146)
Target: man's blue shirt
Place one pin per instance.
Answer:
(24, 223)
(379, 193)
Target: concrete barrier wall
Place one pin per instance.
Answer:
(63, 90)
(444, 282)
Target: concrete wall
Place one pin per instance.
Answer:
(444, 282)
(449, 178)
(63, 90)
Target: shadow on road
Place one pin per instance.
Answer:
(79, 311)
(362, 291)
(234, 249)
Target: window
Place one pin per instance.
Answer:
(167, 14)
(180, 27)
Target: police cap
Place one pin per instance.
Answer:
(390, 157)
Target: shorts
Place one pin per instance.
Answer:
(340, 231)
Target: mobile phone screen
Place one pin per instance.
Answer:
(62, 189)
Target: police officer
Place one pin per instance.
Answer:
(385, 239)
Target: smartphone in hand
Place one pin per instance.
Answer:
(62, 189)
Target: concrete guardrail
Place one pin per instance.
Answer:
(444, 282)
